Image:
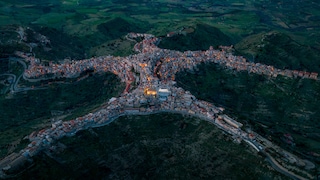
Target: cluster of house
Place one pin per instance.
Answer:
(140, 101)
(239, 63)
(162, 63)
(153, 70)
(71, 69)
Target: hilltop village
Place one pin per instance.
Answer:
(150, 88)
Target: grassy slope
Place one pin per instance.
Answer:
(281, 51)
(29, 111)
(281, 104)
(158, 146)
(203, 36)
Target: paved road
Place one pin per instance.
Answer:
(13, 82)
(14, 85)
(20, 61)
(281, 169)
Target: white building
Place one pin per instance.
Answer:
(163, 94)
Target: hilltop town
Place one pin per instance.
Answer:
(150, 88)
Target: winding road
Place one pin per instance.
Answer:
(281, 169)
(13, 82)
(14, 85)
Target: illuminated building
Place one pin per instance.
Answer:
(150, 92)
